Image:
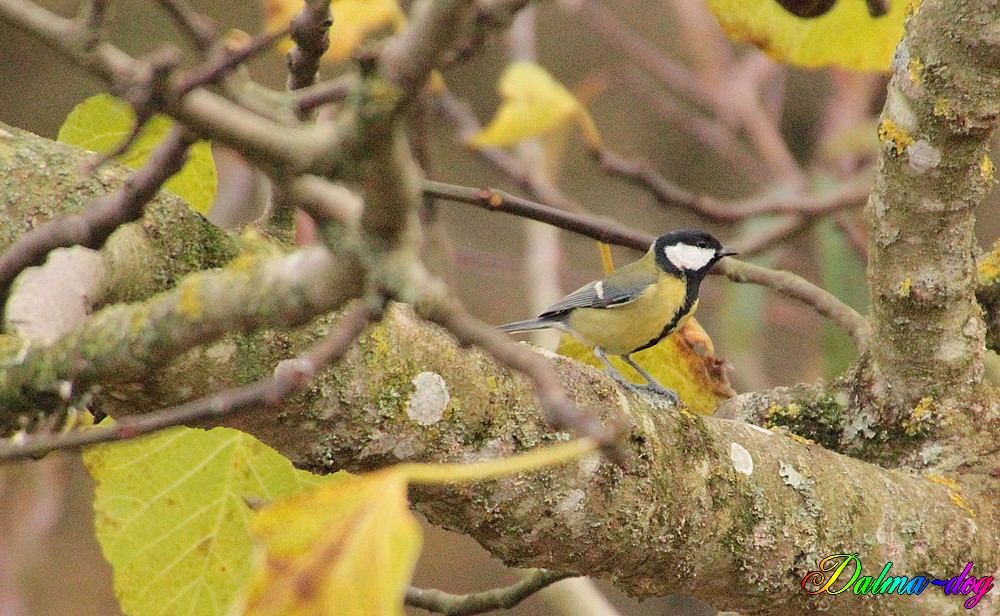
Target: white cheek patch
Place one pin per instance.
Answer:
(685, 256)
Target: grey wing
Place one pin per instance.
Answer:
(595, 295)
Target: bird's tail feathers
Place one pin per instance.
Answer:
(525, 326)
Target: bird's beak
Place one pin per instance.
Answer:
(728, 252)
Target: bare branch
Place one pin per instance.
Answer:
(224, 60)
(786, 283)
(289, 378)
(408, 58)
(199, 29)
(310, 31)
(324, 92)
(850, 193)
(128, 343)
(796, 287)
(438, 601)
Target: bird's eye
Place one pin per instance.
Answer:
(702, 244)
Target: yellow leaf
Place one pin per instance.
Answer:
(533, 104)
(846, 36)
(348, 548)
(345, 548)
(353, 21)
(684, 361)
(102, 122)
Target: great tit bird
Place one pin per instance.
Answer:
(637, 305)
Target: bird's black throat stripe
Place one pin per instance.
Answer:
(690, 297)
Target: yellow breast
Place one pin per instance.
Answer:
(623, 329)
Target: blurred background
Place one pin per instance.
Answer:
(762, 129)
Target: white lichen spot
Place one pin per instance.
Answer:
(427, 402)
(405, 449)
(899, 110)
(221, 353)
(742, 460)
(922, 156)
(571, 502)
(972, 328)
(294, 369)
(861, 425)
(791, 477)
(65, 390)
(901, 59)
(932, 205)
(950, 350)
(931, 454)
(588, 464)
(842, 398)
(761, 430)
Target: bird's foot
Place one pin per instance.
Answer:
(651, 386)
(658, 389)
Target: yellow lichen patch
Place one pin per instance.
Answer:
(948, 483)
(904, 287)
(917, 422)
(189, 301)
(801, 439)
(988, 269)
(961, 504)
(914, 69)
(785, 412)
(986, 169)
(954, 492)
(894, 137)
(942, 107)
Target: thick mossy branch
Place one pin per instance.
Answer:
(723, 510)
(127, 343)
(941, 112)
(41, 179)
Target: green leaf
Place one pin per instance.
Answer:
(172, 515)
(102, 122)
(346, 548)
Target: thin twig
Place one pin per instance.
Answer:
(289, 378)
(198, 28)
(102, 217)
(323, 92)
(603, 230)
(434, 600)
(91, 20)
(796, 287)
(616, 36)
(850, 193)
(707, 129)
(310, 31)
(225, 59)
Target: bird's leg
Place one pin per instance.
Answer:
(651, 383)
(612, 371)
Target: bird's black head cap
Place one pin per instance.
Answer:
(689, 252)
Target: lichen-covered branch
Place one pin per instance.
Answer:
(934, 168)
(722, 510)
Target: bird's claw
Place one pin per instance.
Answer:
(649, 387)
